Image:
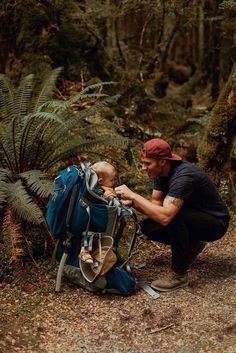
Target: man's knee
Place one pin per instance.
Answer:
(149, 226)
(154, 231)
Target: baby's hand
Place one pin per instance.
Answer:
(108, 194)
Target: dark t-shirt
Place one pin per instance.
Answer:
(190, 183)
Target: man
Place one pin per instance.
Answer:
(185, 209)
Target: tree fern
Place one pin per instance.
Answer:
(37, 132)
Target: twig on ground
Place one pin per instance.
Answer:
(161, 328)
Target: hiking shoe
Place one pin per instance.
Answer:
(195, 249)
(173, 282)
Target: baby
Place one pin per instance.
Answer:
(106, 179)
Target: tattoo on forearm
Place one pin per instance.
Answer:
(170, 200)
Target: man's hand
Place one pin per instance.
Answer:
(162, 214)
(127, 203)
(124, 192)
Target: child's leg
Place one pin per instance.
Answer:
(84, 252)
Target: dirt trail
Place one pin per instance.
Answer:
(197, 319)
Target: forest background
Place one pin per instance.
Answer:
(80, 78)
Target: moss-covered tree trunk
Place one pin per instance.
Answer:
(214, 152)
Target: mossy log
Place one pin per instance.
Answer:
(214, 152)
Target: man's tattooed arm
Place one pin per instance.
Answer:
(170, 200)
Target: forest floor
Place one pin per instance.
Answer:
(197, 319)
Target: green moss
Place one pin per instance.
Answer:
(51, 33)
(215, 149)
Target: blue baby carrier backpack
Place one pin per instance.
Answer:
(75, 210)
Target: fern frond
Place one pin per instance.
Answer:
(15, 144)
(60, 106)
(5, 174)
(85, 147)
(61, 133)
(82, 95)
(22, 204)
(79, 97)
(12, 231)
(38, 182)
(7, 101)
(23, 95)
(33, 135)
(54, 105)
(98, 85)
(16, 242)
(6, 85)
(3, 185)
(6, 147)
(30, 134)
(4, 106)
(6, 222)
(10, 144)
(46, 91)
(78, 118)
(43, 116)
(3, 195)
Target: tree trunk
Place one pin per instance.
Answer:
(214, 74)
(215, 150)
(201, 36)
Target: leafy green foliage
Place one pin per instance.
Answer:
(37, 132)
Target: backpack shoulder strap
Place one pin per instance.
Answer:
(71, 205)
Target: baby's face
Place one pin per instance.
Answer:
(109, 179)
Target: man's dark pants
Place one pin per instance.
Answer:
(188, 228)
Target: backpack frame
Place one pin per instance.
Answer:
(75, 208)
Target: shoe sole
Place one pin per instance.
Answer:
(169, 289)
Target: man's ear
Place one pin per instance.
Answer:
(162, 162)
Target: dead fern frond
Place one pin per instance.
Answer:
(12, 230)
